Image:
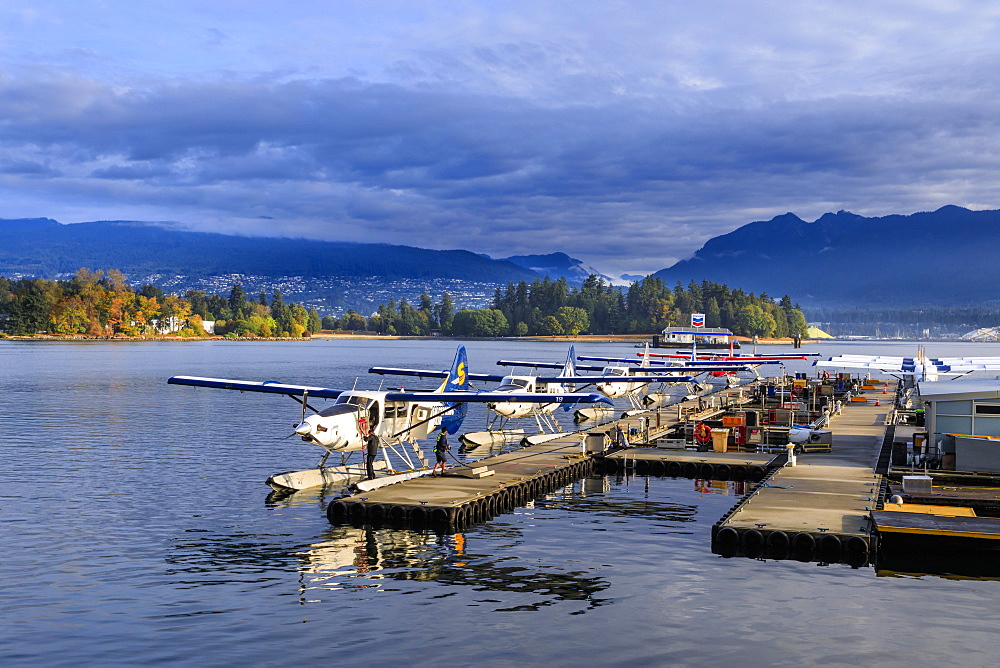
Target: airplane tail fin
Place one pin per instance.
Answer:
(457, 381)
(568, 371)
(569, 368)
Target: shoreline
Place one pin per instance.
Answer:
(581, 338)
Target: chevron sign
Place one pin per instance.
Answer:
(697, 319)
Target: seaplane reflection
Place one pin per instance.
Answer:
(359, 558)
(350, 557)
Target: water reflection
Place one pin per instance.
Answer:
(958, 565)
(343, 554)
(204, 557)
(492, 556)
(364, 557)
(346, 552)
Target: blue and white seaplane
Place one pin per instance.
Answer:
(615, 380)
(652, 378)
(517, 397)
(913, 369)
(397, 418)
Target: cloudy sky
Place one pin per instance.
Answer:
(623, 133)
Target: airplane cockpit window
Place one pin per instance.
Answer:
(353, 399)
(512, 385)
(337, 409)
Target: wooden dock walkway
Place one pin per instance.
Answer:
(821, 507)
(458, 499)
(818, 509)
(691, 463)
(463, 497)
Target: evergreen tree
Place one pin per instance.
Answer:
(237, 299)
(314, 324)
(29, 312)
(445, 313)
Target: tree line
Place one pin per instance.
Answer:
(552, 307)
(98, 303)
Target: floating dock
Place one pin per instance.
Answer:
(495, 485)
(691, 464)
(819, 509)
(461, 497)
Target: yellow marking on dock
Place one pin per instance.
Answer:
(927, 509)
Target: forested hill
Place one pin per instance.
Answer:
(948, 256)
(43, 247)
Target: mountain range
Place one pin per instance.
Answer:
(943, 257)
(46, 248)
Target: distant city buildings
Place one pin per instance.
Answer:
(332, 295)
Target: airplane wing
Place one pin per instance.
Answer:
(539, 365)
(269, 386)
(626, 360)
(501, 397)
(947, 366)
(426, 373)
(965, 364)
(873, 363)
(451, 397)
(657, 378)
(549, 365)
(736, 357)
(689, 365)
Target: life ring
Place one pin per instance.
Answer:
(702, 433)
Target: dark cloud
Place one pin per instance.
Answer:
(633, 185)
(23, 167)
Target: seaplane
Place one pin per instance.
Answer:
(693, 357)
(913, 369)
(615, 380)
(398, 418)
(672, 372)
(737, 357)
(748, 362)
(509, 406)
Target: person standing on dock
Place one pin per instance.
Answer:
(371, 450)
(441, 449)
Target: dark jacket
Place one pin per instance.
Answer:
(442, 443)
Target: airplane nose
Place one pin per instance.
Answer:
(303, 429)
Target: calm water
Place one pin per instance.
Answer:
(136, 530)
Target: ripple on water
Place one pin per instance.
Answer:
(137, 528)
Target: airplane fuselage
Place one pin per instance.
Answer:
(344, 425)
(521, 385)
